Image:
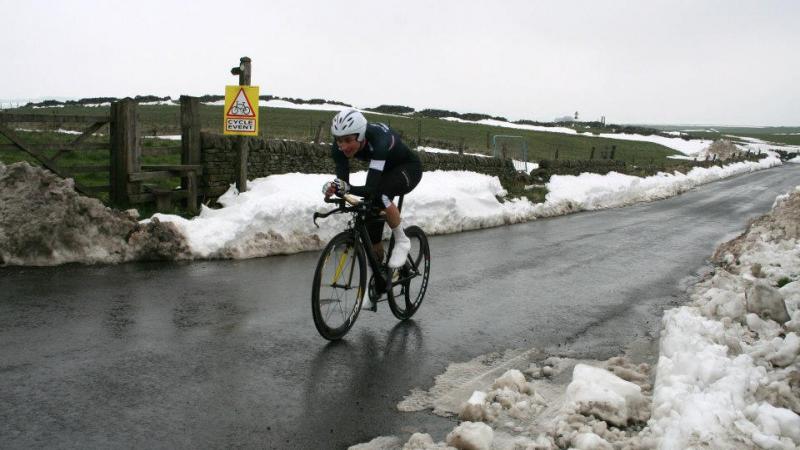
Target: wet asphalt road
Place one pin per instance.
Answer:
(225, 353)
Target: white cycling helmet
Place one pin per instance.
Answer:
(349, 121)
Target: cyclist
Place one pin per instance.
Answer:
(393, 170)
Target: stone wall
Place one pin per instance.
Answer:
(548, 168)
(274, 156)
(576, 167)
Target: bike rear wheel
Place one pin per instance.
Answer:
(410, 282)
(338, 290)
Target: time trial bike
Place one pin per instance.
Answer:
(340, 279)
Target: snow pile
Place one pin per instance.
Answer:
(729, 366)
(43, 221)
(597, 392)
(471, 436)
(605, 406)
(589, 191)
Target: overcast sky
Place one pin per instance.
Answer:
(682, 62)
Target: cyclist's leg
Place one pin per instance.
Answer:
(377, 286)
(399, 180)
(375, 230)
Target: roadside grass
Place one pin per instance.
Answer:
(517, 188)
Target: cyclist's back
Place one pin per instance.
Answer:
(384, 151)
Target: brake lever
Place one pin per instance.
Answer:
(316, 216)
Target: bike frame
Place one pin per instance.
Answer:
(360, 232)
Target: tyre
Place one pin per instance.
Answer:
(338, 289)
(410, 282)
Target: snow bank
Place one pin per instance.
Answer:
(589, 191)
(274, 216)
(728, 365)
(43, 221)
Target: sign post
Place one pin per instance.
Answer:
(241, 117)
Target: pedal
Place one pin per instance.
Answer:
(373, 293)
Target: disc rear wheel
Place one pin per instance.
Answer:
(410, 282)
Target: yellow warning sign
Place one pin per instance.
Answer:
(241, 110)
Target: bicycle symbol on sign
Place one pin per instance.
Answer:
(241, 109)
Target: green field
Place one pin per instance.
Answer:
(783, 135)
(298, 124)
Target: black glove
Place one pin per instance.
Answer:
(341, 187)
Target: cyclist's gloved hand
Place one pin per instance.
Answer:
(328, 189)
(341, 187)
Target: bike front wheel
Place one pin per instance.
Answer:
(338, 289)
(410, 282)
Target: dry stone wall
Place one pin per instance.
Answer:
(275, 156)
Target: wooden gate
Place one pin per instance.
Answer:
(129, 182)
(50, 154)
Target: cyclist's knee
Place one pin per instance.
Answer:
(378, 248)
(386, 201)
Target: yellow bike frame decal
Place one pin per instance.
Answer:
(340, 267)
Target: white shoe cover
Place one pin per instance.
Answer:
(400, 252)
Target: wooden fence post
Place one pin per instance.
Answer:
(242, 149)
(125, 151)
(190, 147)
(318, 135)
(244, 71)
